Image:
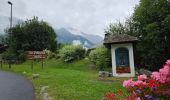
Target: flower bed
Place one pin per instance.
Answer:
(155, 87)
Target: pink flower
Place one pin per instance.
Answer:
(163, 79)
(155, 75)
(139, 83)
(164, 71)
(168, 62)
(128, 83)
(142, 77)
(162, 75)
(138, 98)
(167, 70)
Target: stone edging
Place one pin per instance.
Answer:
(43, 94)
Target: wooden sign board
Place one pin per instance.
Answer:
(36, 55)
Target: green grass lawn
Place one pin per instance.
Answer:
(68, 81)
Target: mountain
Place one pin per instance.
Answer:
(4, 23)
(64, 36)
(95, 39)
(74, 36)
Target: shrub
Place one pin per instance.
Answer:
(101, 57)
(155, 87)
(51, 55)
(72, 52)
(8, 54)
(14, 56)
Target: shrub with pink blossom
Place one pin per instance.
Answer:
(155, 87)
(142, 77)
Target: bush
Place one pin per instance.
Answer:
(155, 87)
(8, 54)
(101, 57)
(72, 52)
(51, 55)
(14, 56)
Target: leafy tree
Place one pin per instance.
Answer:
(32, 35)
(116, 28)
(152, 21)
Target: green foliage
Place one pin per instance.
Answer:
(152, 22)
(3, 39)
(116, 28)
(72, 52)
(21, 55)
(51, 55)
(101, 57)
(8, 54)
(14, 56)
(32, 35)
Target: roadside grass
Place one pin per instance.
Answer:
(68, 81)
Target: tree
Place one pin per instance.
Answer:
(32, 35)
(116, 28)
(151, 22)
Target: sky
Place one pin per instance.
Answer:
(89, 16)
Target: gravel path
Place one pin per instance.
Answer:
(15, 87)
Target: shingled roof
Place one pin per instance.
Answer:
(118, 38)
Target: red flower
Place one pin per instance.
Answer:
(153, 83)
(120, 92)
(110, 96)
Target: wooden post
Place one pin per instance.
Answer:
(32, 65)
(1, 64)
(9, 64)
(42, 64)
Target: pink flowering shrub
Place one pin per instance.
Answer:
(155, 87)
(142, 77)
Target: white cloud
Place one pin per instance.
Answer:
(90, 16)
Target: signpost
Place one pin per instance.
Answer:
(32, 55)
(1, 63)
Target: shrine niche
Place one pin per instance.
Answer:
(122, 60)
(121, 46)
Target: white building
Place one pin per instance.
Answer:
(121, 46)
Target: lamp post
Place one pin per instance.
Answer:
(10, 3)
